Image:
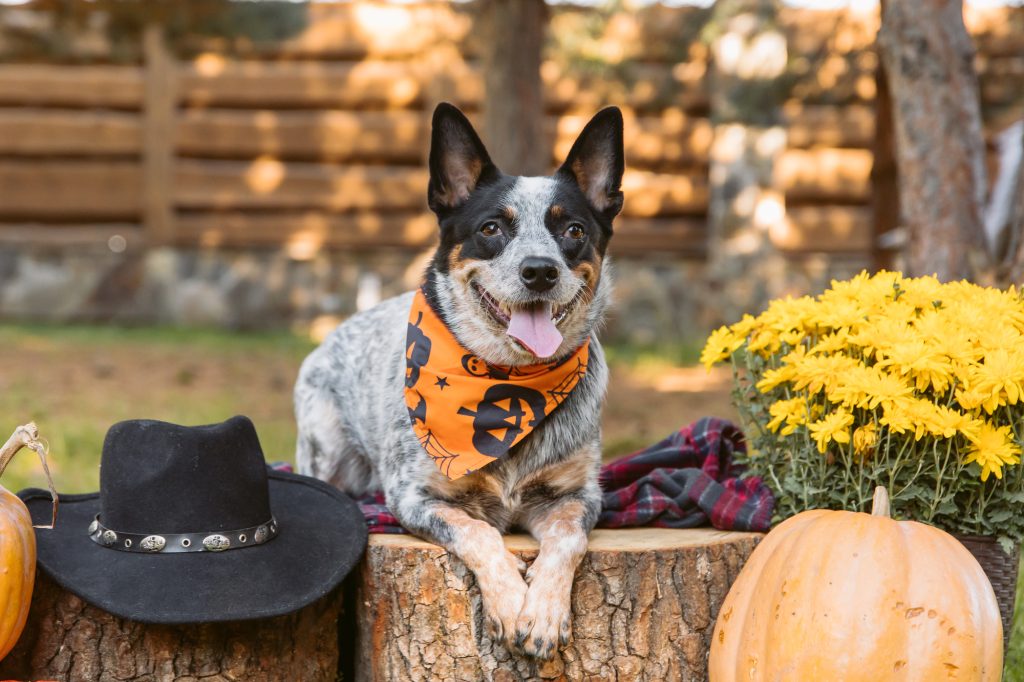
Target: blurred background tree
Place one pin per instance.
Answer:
(513, 33)
(940, 147)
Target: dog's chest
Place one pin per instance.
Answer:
(508, 491)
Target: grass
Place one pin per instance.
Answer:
(75, 381)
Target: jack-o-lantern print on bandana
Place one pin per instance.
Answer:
(467, 413)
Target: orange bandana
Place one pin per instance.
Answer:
(467, 413)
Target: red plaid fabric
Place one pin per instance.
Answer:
(685, 481)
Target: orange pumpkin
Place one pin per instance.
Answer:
(838, 595)
(17, 546)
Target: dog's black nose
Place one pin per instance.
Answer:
(538, 274)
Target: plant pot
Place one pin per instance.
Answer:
(1002, 570)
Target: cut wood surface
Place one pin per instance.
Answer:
(304, 233)
(270, 184)
(117, 87)
(70, 189)
(33, 131)
(403, 137)
(811, 125)
(644, 606)
(212, 80)
(67, 639)
(829, 229)
(818, 175)
(331, 135)
(267, 183)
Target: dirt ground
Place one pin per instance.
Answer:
(77, 381)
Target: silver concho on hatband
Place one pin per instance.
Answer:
(174, 543)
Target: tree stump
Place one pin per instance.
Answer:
(644, 606)
(67, 639)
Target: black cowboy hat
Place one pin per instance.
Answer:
(189, 526)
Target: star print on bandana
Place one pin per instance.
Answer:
(487, 409)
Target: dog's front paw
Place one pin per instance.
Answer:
(544, 622)
(503, 592)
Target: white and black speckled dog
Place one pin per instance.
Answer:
(507, 243)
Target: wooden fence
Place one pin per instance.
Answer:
(319, 141)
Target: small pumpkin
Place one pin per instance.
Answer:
(838, 595)
(17, 543)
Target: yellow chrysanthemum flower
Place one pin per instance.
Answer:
(1000, 378)
(816, 372)
(865, 438)
(993, 448)
(883, 354)
(869, 387)
(925, 362)
(722, 343)
(833, 427)
(772, 378)
(792, 413)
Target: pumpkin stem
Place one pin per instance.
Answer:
(880, 502)
(27, 436)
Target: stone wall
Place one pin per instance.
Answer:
(658, 299)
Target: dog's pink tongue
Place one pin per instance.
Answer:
(536, 330)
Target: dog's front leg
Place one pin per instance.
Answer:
(478, 544)
(562, 529)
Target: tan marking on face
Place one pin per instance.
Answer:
(509, 213)
(555, 210)
(459, 268)
(589, 272)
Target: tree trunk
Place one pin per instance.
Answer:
(929, 60)
(885, 188)
(67, 639)
(1015, 230)
(513, 36)
(644, 606)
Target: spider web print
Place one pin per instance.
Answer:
(562, 390)
(442, 457)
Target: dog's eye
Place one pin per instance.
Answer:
(575, 231)
(490, 229)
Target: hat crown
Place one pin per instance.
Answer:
(157, 477)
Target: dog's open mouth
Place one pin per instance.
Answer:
(534, 326)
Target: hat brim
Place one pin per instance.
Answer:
(322, 536)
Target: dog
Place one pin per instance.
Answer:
(520, 278)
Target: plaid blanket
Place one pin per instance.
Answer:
(685, 481)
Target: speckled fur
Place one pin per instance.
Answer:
(354, 428)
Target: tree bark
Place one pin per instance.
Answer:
(1015, 230)
(644, 606)
(885, 188)
(929, 60)
(513, 32)
(67, 639)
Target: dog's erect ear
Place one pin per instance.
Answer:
(458, 160)
(596, 161)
